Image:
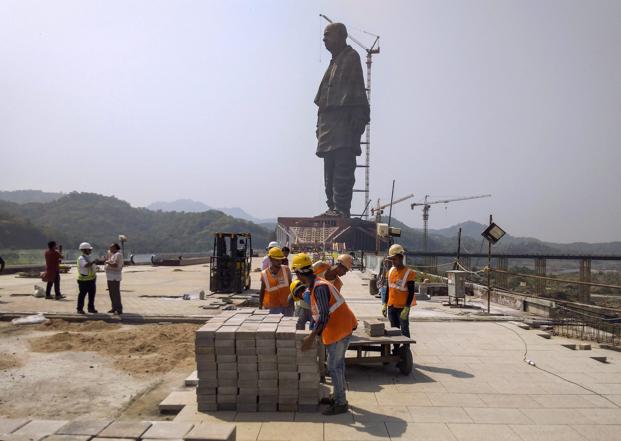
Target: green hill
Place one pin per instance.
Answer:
(27, 196)
(98, 219)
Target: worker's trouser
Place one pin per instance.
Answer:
(339, 173)
(114, 289)
(336, 368)
(87, 287)
(304, 315)
(394, 315)
(56, 283)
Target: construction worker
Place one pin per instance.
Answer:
(400, 296)
(275, 282)
(286, 251)
(87, 278)
(266, 260)
(301, 296)
(333, 273)
(334, 323)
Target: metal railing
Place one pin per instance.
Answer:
(587, 325)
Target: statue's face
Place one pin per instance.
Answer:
(333, 38)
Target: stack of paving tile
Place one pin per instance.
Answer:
(252, 361)
(308, 369)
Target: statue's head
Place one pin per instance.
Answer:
(335, 36)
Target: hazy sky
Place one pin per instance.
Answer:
(152, 100)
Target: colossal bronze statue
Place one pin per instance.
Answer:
(341, 119)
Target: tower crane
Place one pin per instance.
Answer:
(427, 205)
(379, 209)
(374, 49)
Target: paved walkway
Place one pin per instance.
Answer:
(470, 383)
(144, 290)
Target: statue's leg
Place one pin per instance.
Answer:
(328, 177)
(344, 179)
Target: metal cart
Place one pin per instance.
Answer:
(377, 350)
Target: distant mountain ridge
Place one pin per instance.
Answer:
(28, 196)
(78, 217)
(192, 206)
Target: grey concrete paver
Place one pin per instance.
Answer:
(556, 416)
(547, 433)
(355, 432)
(375, 413)
(125, 429)
(281, 431)
(483, 432)
(84, 427)
(167, 429)
(572, 401)
(247, 431)
(492, 415)
(601, 416)
(68, 438)
(439, 415)
(177, 400)
(455, 400)
(419, 431)
(38, 429)
(211, 432)
(510, 401)
(594, 432)
(8, 425)
(264, 416)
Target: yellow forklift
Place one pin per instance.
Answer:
(231, 262)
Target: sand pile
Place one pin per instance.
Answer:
(8, 361)
(139, 349)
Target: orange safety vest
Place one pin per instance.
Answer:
(397, 282)
(341, 321)
(337, 282)
(276, 291)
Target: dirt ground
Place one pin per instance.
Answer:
(92, 369)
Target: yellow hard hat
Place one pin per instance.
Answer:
(295, 285)
(346, 260)
(300, 261)
(276, 253)
(395, 249)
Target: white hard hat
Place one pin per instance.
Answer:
(395, 249)
(85, 246)
(273, 244)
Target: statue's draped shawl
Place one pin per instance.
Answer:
(341, 93)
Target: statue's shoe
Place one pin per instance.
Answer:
(331, 213)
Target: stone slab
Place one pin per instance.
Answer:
(68, 438)
(38, 429)
(167, 429)
(113, 439)
(84, 427)
(177, 400)
(211, 432)
(192, 379)
(8, 425)
(125, 429)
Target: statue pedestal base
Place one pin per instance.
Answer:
(327, 233)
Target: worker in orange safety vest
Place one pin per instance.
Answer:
(334, 323)
(400, 296)
(275, 281)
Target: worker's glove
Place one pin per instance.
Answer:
(405, 313)
(384, 309)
